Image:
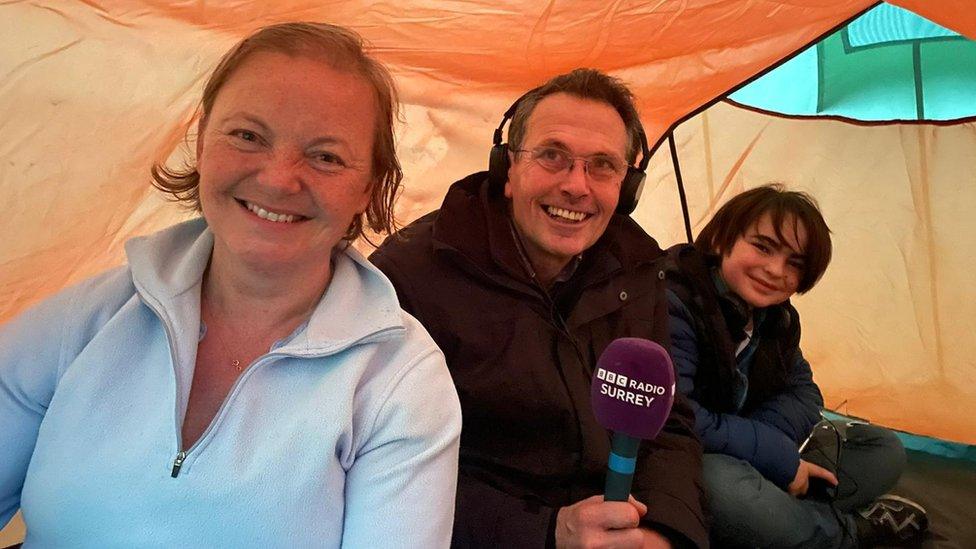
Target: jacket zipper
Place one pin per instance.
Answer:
(178, 463)
(182, 454)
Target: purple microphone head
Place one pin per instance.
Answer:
(633, 387)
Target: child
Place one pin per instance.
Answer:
(735, 343)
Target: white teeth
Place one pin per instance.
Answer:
(270, 216)
(565, 214)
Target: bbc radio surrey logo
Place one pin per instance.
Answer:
(630, 390)
(611, 377)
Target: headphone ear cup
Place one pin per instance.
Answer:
(630, 191)
(498, 166)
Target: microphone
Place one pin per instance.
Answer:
(632, 393)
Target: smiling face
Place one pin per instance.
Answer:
(559, 215)
(285, 160)
(762, 269)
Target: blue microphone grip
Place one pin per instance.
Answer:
(620, 469)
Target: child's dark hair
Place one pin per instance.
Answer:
(744, 210)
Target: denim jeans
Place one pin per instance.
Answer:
(747, 510)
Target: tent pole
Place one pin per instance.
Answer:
(681, 185)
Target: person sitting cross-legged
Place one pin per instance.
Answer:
(735, 343)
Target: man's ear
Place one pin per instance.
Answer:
(511, 169)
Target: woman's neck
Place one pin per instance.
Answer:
(269, 300)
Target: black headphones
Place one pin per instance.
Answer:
(630, 188)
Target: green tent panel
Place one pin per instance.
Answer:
(887, 65)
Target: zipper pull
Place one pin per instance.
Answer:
(177, 463)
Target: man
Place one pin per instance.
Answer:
(523, 278)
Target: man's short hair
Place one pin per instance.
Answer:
(585, 84)
(744, 210)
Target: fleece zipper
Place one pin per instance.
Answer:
(182, 454)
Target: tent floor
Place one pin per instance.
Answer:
(946, 488)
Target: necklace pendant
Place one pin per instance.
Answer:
(237, 364)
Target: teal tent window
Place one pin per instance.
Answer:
(887, 65)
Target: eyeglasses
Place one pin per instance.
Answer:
(599, 167)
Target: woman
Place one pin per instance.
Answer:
(248, 378)
(735, 343)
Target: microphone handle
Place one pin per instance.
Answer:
(620, 469)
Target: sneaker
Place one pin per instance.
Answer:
(892, 520)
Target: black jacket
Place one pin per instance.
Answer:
(522, 360)
(759, 405)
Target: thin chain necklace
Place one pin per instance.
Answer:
(236, 363)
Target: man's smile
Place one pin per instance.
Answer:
(564, 214)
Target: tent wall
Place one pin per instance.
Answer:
(92, 93)
(887, 329)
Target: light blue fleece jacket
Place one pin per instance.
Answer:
(344, 434)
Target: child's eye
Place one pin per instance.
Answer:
(797, 264)
(761, 247)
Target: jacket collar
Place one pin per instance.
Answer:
(168, 263)
(359, 304)
(472, 214)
